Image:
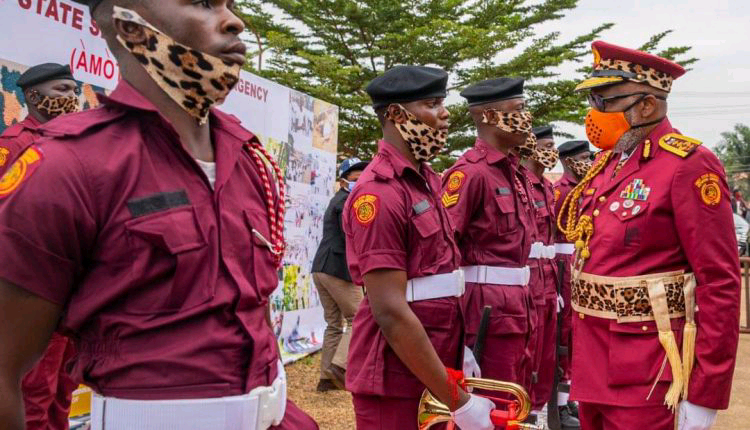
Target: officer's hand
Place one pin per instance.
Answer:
(694, 417)
(471, 367)
(474, 414)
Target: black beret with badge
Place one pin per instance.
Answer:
(493, 90)
(403, 84)
(573, 147)
(542, 132)
(43, 73)
(92, 4)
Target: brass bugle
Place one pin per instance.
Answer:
(432, 411)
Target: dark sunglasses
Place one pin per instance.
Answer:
(600, 103)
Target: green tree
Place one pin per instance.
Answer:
(734, 151)
(331, 49)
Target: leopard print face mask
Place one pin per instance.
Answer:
(580, 167)
(424, 141)
(547, 157)
(516, 123)
(56, 106)
(194, 80)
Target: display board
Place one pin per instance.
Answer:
(300, 131)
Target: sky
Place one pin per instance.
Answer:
(713, 96)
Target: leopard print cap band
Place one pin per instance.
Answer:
(194, 80)
(425, 142)
(643, 74)
(547, 157)
(516, 123)
(56, 106)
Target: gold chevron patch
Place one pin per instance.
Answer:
(449, 200)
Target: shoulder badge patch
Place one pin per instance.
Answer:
(365, 208)
(449, 200)
(678, 144)
(3, 156)
(708, 185)
(20, 170)
(455, 181)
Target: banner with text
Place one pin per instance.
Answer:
(300, 131)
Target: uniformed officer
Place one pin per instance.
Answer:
(408, 332)
(338, 295)
(49, 91)
(153, 226)
(656, 283)
(488, 200)
(545, 156)
(575, 157)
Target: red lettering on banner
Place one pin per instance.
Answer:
(92, 63)
(52, 11)
(78, 19)
(94, 29)
(252, 90)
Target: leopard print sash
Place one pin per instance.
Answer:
(626, 299)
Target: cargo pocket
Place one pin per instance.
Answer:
(170, 270)
(635, 354)
(427, 226)
(507, 219)
(264, 267)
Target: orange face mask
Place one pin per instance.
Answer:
(604, 129)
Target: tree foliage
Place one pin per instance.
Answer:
(331, 49)
(734, 151)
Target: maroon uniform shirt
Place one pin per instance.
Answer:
(164, 287)
(562, 188)
(488, 201)
(679, 226)
(393, 219)
(545, 346)
(15, 138)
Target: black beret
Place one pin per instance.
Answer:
(407, 84)
(542, 132)
(573, 147)
(493, 90)
(43, 73)
(91, 3)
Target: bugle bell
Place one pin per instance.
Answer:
(432, 411)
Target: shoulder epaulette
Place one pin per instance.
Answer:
(474, 155)
(77, 124)
(678, 144)
(13, 131)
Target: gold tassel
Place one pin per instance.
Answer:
(688, 355)
(668, 341)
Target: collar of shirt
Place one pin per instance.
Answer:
(127, 97)
(30, 122)
(568, 178)
(493, 155)
(398, 162)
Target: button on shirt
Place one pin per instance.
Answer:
(487, 207)
(394, 220)
(15, 138)
(164, 286)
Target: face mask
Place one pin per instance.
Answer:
(604, 129)
(547, 157)
(580, 167)
(425, 142)
(516, 123)
(350, 185)
(194, 80)
(56, 106)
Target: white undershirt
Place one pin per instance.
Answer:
(209, 168)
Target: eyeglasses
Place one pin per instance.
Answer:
(600, 103)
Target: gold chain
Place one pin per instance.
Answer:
(581, 230)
